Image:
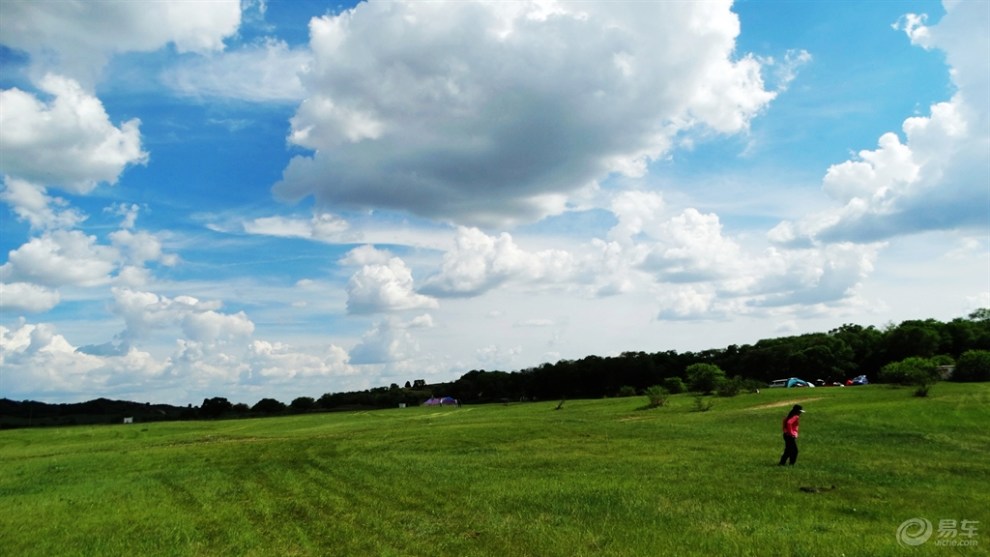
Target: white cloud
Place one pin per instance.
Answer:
(69, 258)
(480, 262)
(278, 361)
(776, 282)
(914, 25)
(366, 255)
(935, 177)
(77, 38)
(692, 269)
(687, 302)
(875, 174)
(785, 71)
(495, 355)
(383, 284)
(206, 364)
(24, 296)
(323, 227)
(496, 112)
(264, 72)
(387, 342)
(690, 247)
(61, 258)
(31, 203)
(200, 321)
(374, 228)
(140, 247)
(212, 353)
(69, 143)
(129, 212)
(37, 359)
(636, 212)
(212, 326)
(696, 271)
(831, 274)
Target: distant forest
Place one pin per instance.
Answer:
(835, 356)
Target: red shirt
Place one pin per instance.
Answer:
(791, 425)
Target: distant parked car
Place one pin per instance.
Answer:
(790, 382)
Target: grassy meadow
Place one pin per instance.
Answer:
(597, 477)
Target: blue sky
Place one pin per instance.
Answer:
(280, 199)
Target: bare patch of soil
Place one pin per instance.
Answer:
(784, 403)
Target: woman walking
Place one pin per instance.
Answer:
(791, 435)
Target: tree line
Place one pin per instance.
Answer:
(912, 352)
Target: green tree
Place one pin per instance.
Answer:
(268, 406)
(302, 404)
(730, 387)
(919, 372)
(704, 378)
(981, 314)
(915, 338)
(627, 391)
(215, 407)
(973, 365)
(656, 396)
(674, 385)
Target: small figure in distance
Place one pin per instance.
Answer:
(790, 435)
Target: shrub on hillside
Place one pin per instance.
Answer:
(910, 371)
(704, 378)
(918, 372)
(752, 385)
(730, 387)
(657, 396)
(627, 391)
(973, 365)
(674, 385)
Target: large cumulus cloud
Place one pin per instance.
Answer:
(69, 141)
(497, 112)
(934, 174)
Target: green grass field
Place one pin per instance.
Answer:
(598, 477)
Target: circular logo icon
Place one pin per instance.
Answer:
(914, 531)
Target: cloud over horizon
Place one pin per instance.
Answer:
(482, 113)
(246, 200)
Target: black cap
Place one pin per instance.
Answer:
(798, 409)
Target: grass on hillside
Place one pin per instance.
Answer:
(597, 477)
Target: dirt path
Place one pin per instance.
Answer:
(785, 403)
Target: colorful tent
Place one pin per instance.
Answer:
(444, 401)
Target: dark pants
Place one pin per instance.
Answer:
(790, 450)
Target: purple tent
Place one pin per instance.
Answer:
(445, 401)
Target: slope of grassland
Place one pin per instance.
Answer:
(597, 477)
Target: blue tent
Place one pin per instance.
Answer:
(795, 382)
